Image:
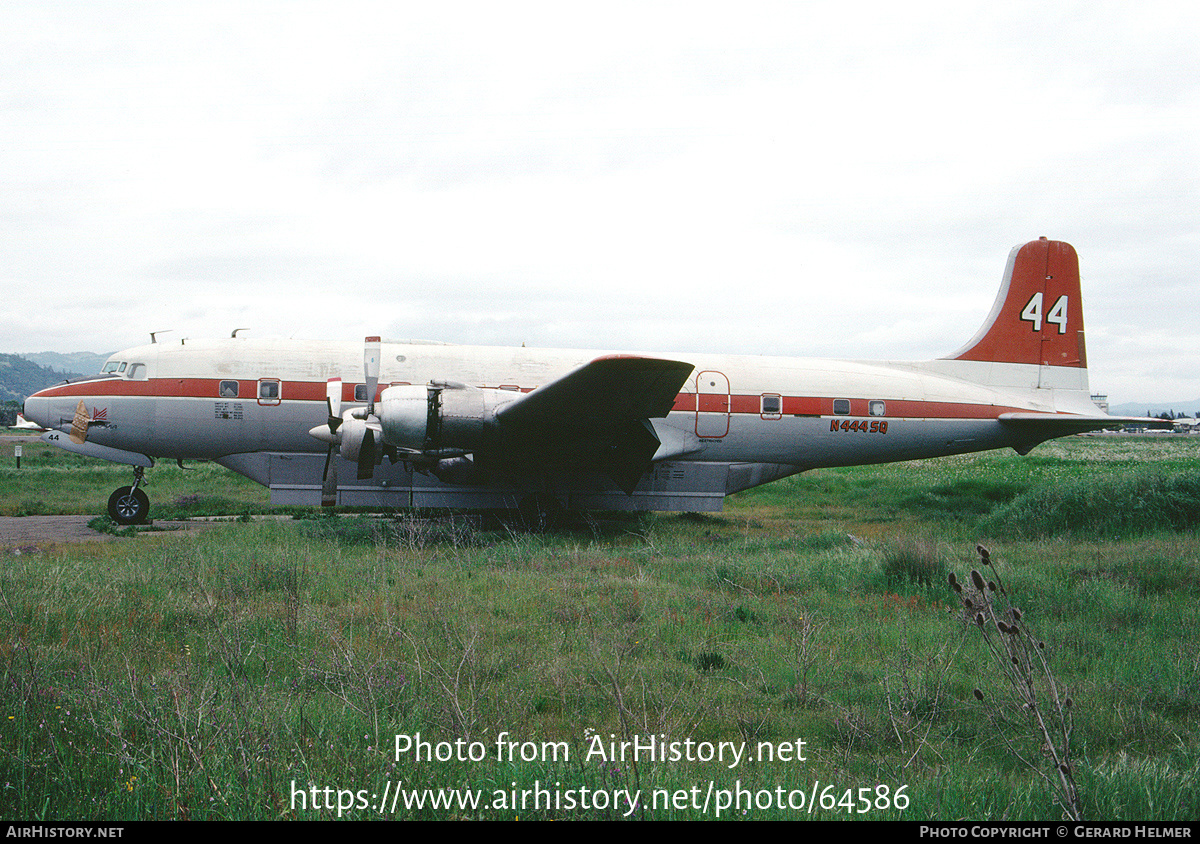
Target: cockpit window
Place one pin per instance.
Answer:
(112, 366)
(137, 372)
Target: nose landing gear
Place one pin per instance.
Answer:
(129, 505)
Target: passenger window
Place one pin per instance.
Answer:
(269, 391)
(228, 390)
(841, 406)
(360, 392)
(772, 406)
(877, 408)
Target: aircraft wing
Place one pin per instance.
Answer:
(602, 394)
(596, 416)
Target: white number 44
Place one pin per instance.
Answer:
(1057, 314)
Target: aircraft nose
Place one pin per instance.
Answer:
(36, 409)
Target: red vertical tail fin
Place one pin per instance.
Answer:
(1038, 316)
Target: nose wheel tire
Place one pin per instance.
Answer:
(128, 506)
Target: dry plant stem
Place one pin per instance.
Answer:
(905, 721)
(1020, 656)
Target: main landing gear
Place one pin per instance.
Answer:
(129, 505)
(541, 512)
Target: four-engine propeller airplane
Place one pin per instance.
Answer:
(483, 427)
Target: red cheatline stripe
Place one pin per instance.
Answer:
(743, 404)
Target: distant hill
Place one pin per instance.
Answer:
(1188, 408)
(21, 377)
(85, 363)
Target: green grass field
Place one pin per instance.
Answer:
(800, 655)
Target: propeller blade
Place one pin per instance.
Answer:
(366, 456)
(329, 481)
(333, 403)
(371, 370)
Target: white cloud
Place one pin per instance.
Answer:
(650, 176)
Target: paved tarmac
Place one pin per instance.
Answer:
(26, 534)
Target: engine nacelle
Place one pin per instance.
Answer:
(404, 414)
(352, 432)
(438, 416)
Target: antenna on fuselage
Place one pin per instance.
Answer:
(165, 331)
(236, 330)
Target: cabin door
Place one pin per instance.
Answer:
(712, 404)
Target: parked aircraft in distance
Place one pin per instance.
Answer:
(22, 424)
(485, 427)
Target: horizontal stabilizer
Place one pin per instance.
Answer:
(1036, 428)
(1065, 423)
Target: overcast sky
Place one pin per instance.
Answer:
(811, 179)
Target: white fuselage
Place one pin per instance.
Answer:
(220, 400)
(590, 429)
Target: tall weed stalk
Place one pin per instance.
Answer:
(1031, 695)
